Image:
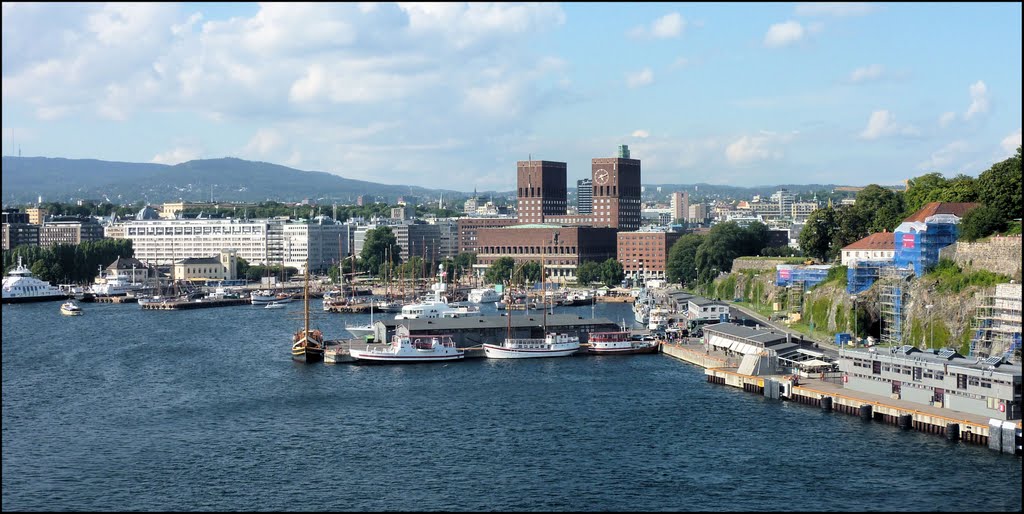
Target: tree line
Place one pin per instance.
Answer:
(878, 209)
(68, 263)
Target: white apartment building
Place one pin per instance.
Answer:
(163, 242)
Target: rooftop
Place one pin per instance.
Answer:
(876, 241)
(957, 209)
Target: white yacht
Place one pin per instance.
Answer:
(438, 307)
(21, 286)
(484, 295)
(115, 286)
(405, 348)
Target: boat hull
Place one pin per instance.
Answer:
(33, 299)
(70, 312)
(623, 351)
(368, 357)
(498, 352)
(308, 355)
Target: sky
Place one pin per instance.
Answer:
(451, 95)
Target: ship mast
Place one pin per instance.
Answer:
(305, 298)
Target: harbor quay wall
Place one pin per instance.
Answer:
(828, 395)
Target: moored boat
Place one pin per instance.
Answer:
(552, 345)
(307, 343)
(405, 348)
(21, 286)
(618, 343)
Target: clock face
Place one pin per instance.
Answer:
(601, 176)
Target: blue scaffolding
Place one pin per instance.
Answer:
(810, 275)
(918, 244)
(861, 274)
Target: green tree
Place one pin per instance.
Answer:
(851, 226)
(379, 246)
(818, 233)
(464, 263)
(883, 208)
(682, 259)
(612, 272)
(981, 222)
(921, 190)
(529, 272)
(500, 270)
(961, 188)
(724, 242)
(588, 272)
(1000, 187)
(242, 267)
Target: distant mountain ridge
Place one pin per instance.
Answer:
(229, 179)
(25, 179)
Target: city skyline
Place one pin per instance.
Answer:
(739, 94)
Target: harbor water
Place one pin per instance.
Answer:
(126, 409)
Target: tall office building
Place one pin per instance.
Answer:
(680, 205)
(541, 190)
(584, 196)
(616, 191)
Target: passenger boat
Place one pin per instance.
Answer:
(21, 286)
(405, 348)
(657, 318)
(265, 296)
(70, 308)
(618, 343)
(484, 295)
(276, 305)
(438, 307)
(552, 345)
(307, 344)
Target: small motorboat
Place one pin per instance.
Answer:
(276, 305)
(70, 308)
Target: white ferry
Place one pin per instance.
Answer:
(418, 348)
(21, 286)
(552, 345)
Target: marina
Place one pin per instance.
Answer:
(245, 377)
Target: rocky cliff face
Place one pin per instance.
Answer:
(830, 308)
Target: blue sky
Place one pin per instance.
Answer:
(451, 95)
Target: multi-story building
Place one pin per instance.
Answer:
(643, 254)
(418, 240)
(802, 210)
(468, 228)
(35, 215)
(267, 242)
(201, 269)
(541, 190)
(404, 212)
(875, 247)
(14, 216)
(562, 247)
(584, 196)
(698, 213)
(940, 378)
(18, 234)
(448, 236)
(783, 200)
(616, 191)
(69, 230)
(680, 205)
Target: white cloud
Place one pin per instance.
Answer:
(882, 123)
(642, 134)
(680, 62)
(640, 78)
(783, 34)
(979, 100)
(945, 156)
(1011, 142)
(867, 73)
(762, 147)
(946, 119)
(177, 156)
(668, 26)
(264, 142)
(835, 9)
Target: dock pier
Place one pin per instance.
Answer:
(829, 396)
(179, 305)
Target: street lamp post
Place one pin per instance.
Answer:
(931, 337)
(854, 299)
